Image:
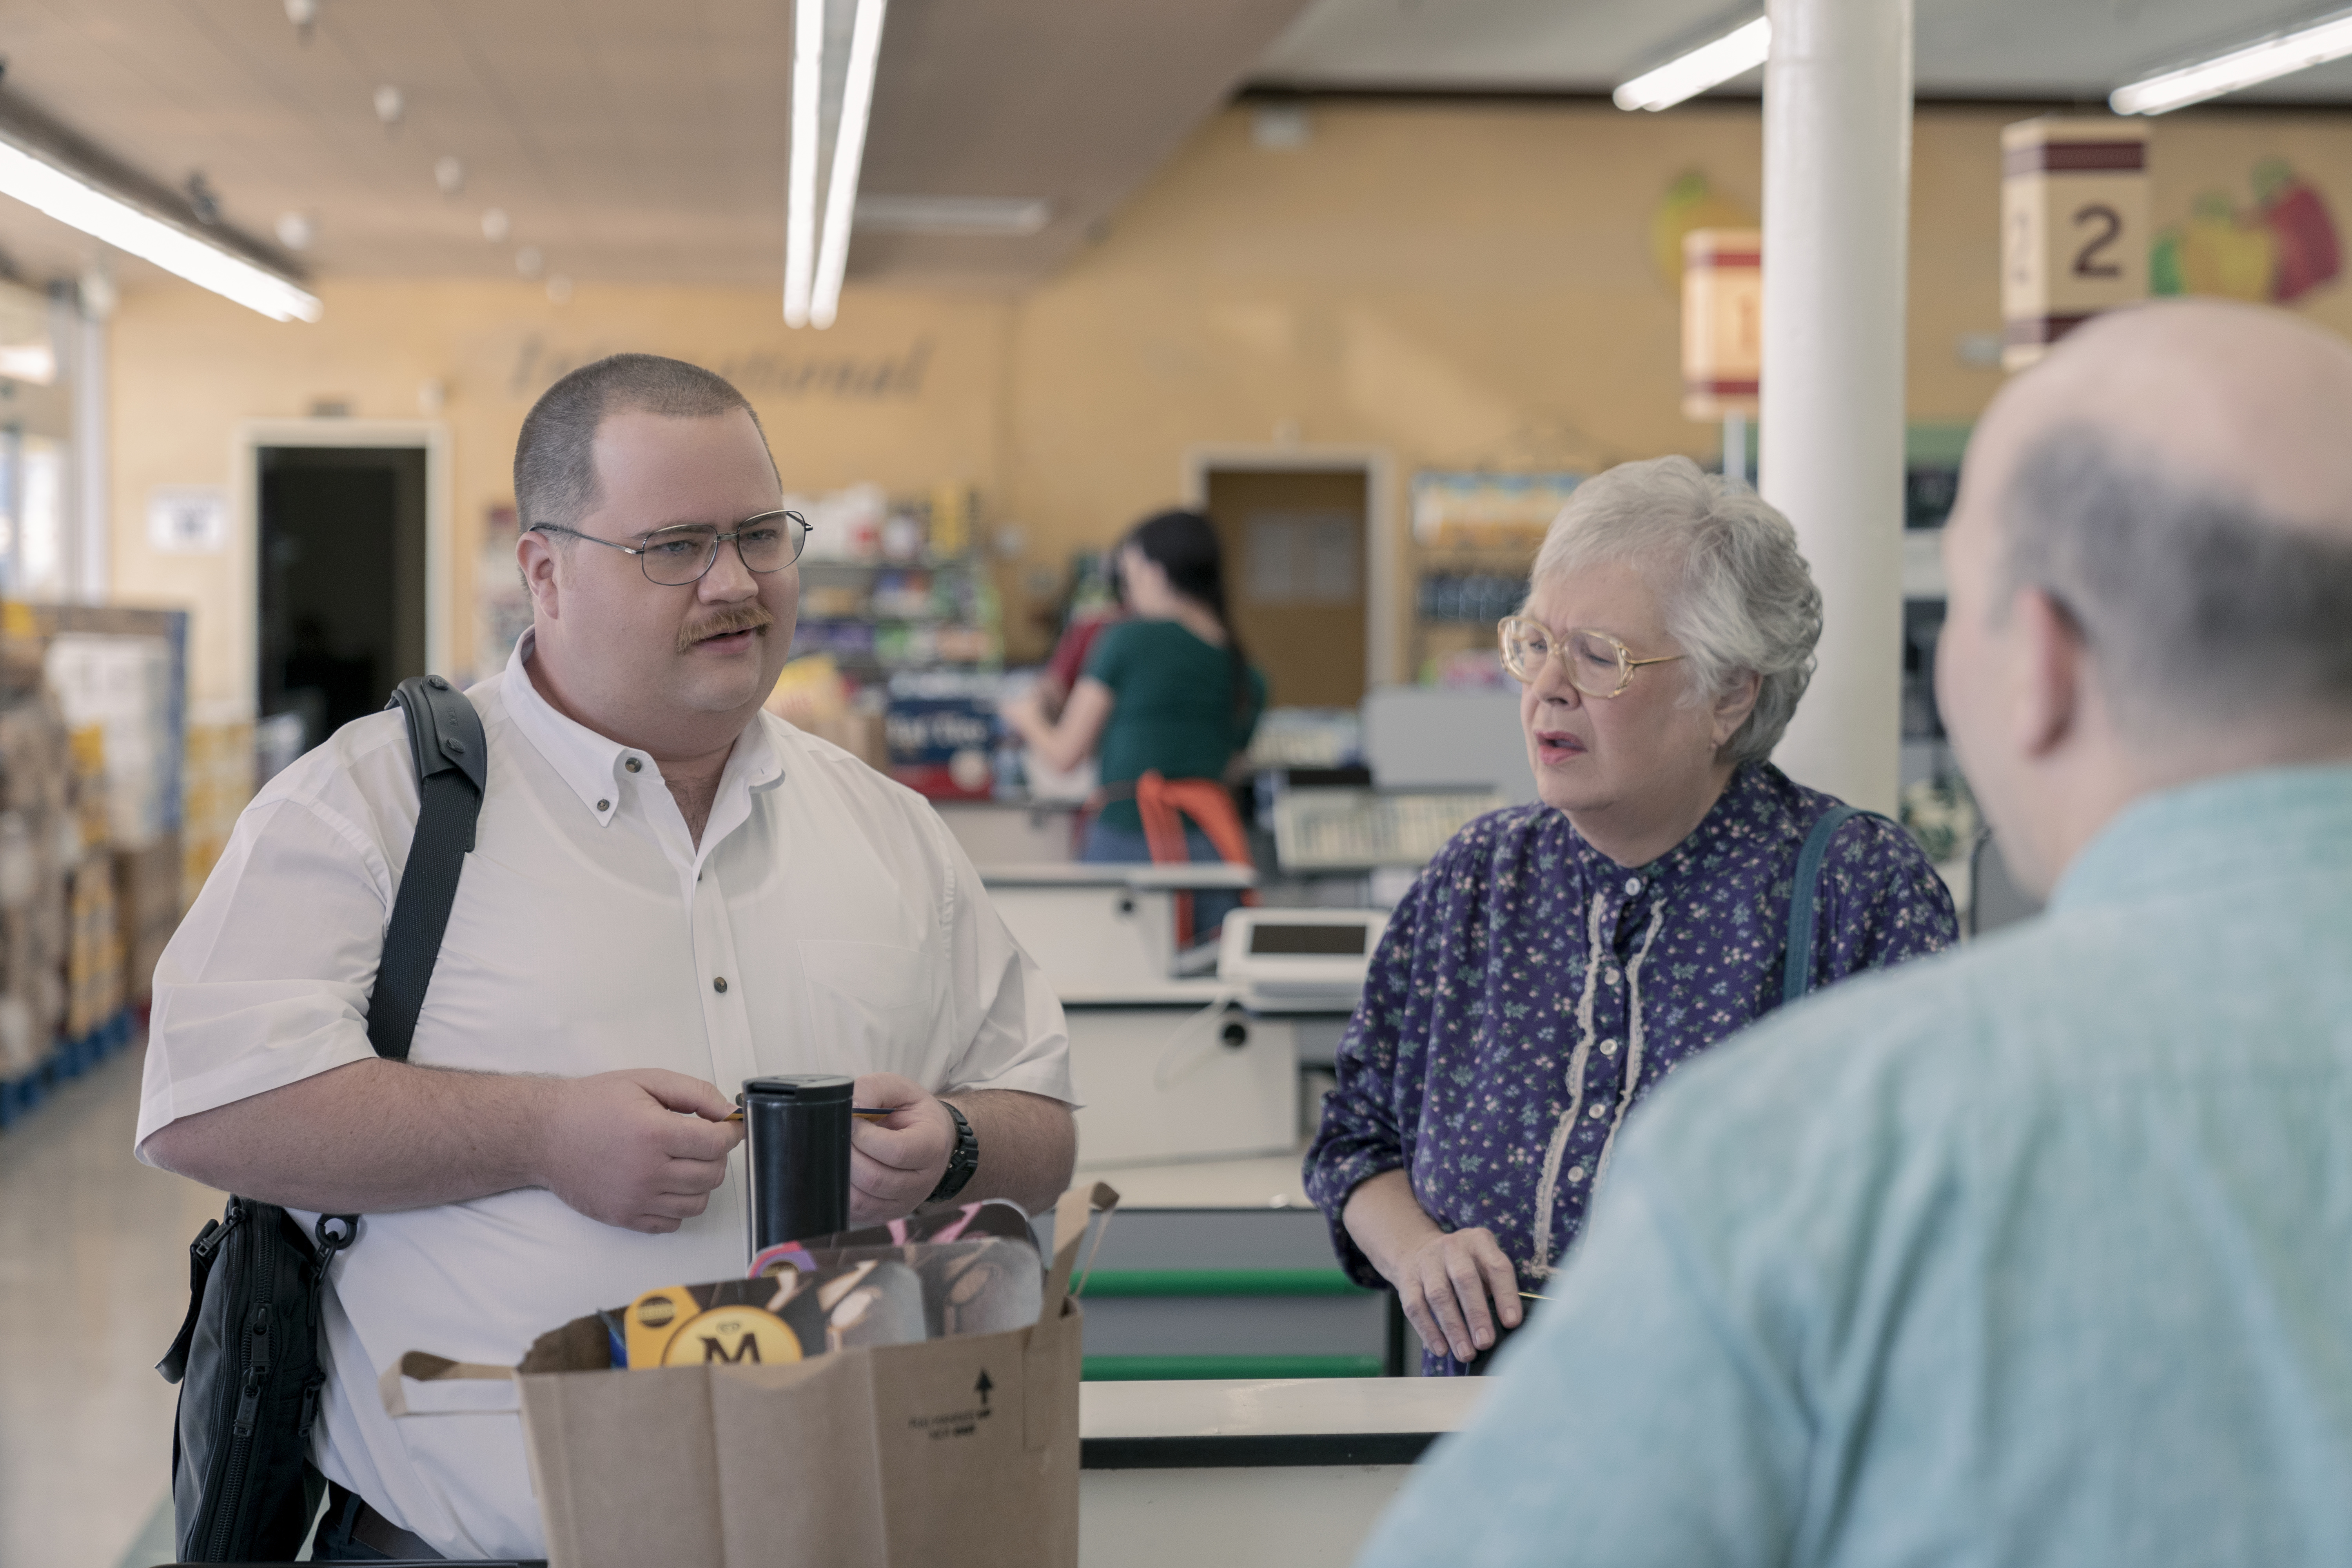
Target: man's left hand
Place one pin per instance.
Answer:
(894, 1164)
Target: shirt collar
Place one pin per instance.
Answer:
(594, 765)
(2241, 827)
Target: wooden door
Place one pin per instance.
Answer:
(1297, 556)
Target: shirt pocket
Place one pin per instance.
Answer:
(868, 1003)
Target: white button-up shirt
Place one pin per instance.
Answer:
(588, 932)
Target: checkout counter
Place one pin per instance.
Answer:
(1192, 1057)
(1253, 1474)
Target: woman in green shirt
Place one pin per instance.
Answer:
(1167, 691)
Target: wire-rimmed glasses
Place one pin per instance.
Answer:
(682, 556)
(1596, 663)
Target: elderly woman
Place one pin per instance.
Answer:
(1556, 960)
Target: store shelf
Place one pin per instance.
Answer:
(21, 1096)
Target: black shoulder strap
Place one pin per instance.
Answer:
(1797, 978)
(444, 738)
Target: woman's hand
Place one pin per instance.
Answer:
(1442, 1278)
(1026, 716)
(1444, 1284)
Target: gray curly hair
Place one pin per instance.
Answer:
(1737, 592)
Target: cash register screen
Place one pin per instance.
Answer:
(1300, 941)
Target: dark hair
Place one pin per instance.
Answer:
(1185, 545)
(555, 456)
(2189, 594)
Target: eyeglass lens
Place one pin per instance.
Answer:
(1594, 665)
(677, 556)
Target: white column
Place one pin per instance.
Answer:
(1837, 179)
(89, 573)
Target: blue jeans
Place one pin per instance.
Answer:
(1108, 845)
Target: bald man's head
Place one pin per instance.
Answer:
(2178, 479)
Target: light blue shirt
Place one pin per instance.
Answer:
(2037, 1253)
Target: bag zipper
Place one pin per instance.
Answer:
(253, 1371)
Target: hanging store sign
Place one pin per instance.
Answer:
(2074, 226)
(1723, 320)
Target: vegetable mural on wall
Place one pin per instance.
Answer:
(2274, 252)
(1691, 202)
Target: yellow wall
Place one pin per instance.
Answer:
(1457, 285)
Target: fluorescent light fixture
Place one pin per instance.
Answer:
(993, 216)
(1709, 65)
(36, 362)
(74, 201)
(800, 198)
(2272, 57)
(848, 153)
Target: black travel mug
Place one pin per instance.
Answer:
(797, 1131)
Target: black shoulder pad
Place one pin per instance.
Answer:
(444, 730)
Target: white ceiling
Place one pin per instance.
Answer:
(636, 140)
(2063, 49)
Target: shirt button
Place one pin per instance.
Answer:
(1597, 1112)
(1608, 1047)
(1576, 1173)
(604, 806)
(720, 986)
(633, 765)
(1632, 884)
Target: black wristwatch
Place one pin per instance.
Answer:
(962, 1163)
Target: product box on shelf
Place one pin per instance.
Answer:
(942, 732)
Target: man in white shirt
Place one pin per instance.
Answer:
(670, 891)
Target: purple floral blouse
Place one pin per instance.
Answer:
(1530, 990)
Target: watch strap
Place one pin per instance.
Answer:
(962, 1160)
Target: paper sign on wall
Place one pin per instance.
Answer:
(187, 520)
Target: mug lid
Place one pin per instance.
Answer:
(815, 1088)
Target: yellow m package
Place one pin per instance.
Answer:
(765, 1321)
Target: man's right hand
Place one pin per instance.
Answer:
(616, 1149)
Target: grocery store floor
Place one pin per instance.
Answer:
(93, 1282)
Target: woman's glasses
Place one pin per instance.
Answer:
(1596, 663)
(675, 557)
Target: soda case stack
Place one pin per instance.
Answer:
(147, 898)
(94, 938)
(40, 837)
(216, 786)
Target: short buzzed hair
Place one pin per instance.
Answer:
(2191, 598)
(555, 457)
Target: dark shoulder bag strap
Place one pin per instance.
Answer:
(445, 737)
(1797, 978)
(445, 742)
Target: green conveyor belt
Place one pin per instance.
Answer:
(1168, 1368)
(1109, 1282)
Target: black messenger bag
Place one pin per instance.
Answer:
(246, 1358)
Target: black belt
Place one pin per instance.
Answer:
(349, 1511)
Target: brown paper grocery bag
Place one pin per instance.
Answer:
(962, 1450)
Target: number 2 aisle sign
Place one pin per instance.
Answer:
(2074, 227)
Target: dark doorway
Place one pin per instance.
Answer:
(342, 581)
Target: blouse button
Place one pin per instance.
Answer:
(720, 986)
(1597, 1112)
(1608, 1047)
(1576, 1173)
(633, 765)
(1632, 884)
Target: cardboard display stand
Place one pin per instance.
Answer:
(892, 1456)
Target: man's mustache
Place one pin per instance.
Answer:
(746, 617)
